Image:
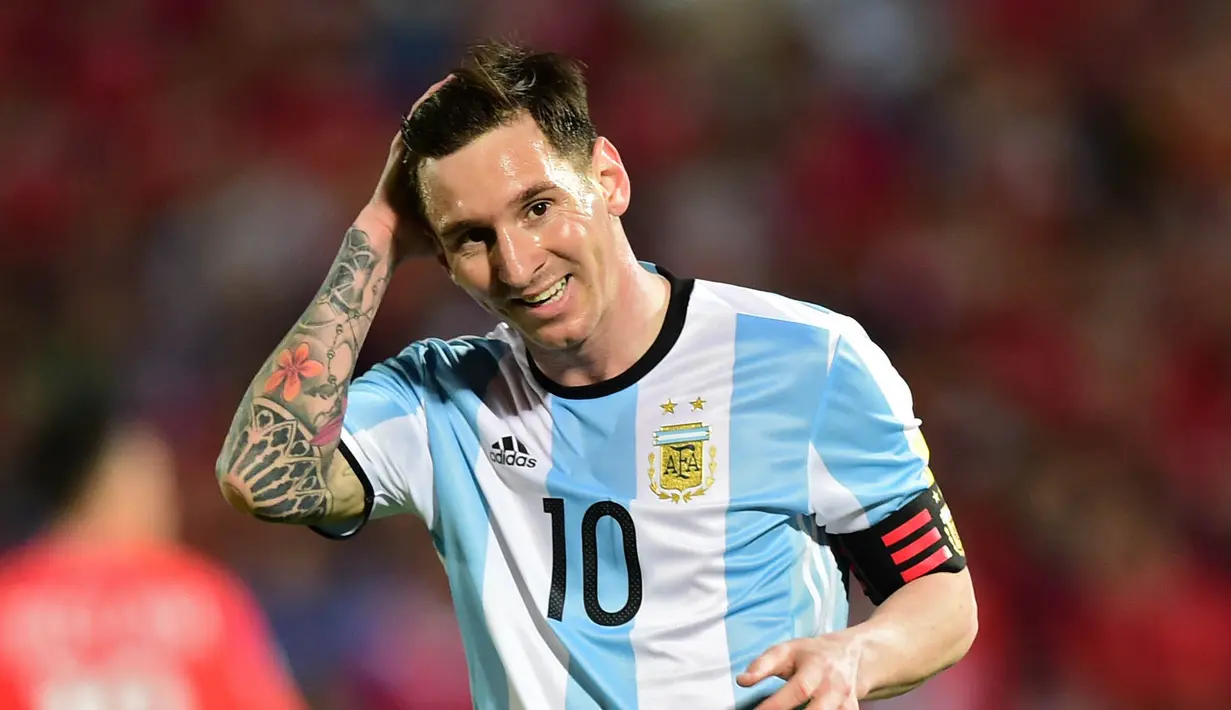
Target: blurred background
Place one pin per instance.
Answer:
(1026, 202)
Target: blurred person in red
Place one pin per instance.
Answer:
(106, 609)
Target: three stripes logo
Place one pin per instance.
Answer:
(905, 546)
(511, 452)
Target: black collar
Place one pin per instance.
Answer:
(673, 325)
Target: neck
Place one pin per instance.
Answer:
(129, 497)
(621, 338)
(106, 530)
(120, 509)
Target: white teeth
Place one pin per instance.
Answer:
(549, 294)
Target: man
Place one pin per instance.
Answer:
(640, 484)
(105, 610)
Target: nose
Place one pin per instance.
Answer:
(517, 257)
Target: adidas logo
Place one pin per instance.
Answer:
(511, 452)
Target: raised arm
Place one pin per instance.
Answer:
(280, 461)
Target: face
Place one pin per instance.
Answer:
(527, 233)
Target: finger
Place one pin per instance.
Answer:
(850, 700)
(401, 145)
(428, 94)
(832, 702)
(834, 696)
(397, 149)
(778, 660)
(797, 691)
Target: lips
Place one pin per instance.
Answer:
(548, 295)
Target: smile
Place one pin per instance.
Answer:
(550, 295)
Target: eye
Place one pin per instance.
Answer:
(538, 209)
(474, 236)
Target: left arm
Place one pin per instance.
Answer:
(889, 525)
(919, 631)
(923, 628)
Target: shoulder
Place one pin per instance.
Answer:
(768, 315)
(453, 354)
(22, 565)
(467, 360)
(203, 579)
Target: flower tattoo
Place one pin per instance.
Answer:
(291, 369)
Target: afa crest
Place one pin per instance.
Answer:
(951, 530)
(685, 468)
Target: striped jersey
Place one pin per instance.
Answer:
(636, 543)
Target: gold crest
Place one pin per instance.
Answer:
(683, 470)
(951, 530)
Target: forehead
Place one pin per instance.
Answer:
(480, 179)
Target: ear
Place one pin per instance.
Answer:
(612, 177)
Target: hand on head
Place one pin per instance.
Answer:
(392, 204)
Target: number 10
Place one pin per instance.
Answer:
(589, 562)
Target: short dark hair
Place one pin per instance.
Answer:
(58, 457)
(496, 84)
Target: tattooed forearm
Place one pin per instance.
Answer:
(277, 453)
(278, 466)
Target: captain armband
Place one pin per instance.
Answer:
(918, 539)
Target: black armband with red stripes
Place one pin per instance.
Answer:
(918, 539)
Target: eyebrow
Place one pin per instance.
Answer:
(452, 229)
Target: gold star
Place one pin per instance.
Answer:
(669, 407)
(936, 495)
(698, 403)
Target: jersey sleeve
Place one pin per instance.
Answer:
(385, 440)
(887, 520)
(868, 458)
